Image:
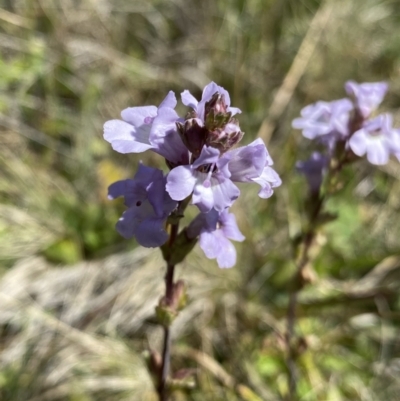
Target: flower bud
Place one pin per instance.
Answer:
(168, 308)
(193, 135)
(225, 138)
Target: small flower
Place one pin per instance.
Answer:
(207, 179)
(368, 96)
(149, 205)
(215, 230)
(377, 139)
(148, 128)
(210, 176)
(325, 118)
(252, 163)
(314, 169)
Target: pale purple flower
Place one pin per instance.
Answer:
(377, 139)
(210, 176)
(215, 230)
(325, 118)
(148, 128)
(314, 169)
(199, 107)
(368, 96)
(207, 178)
(252, 163)
(149, 205)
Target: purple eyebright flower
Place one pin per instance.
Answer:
(149, 205)
(207, 179)
(314, 169)
(377, 139)
(148, 128)
(368, 96)
(210, 176)
(215, 231)
(325, 118)
(252, 163)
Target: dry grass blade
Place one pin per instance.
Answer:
(297, 69)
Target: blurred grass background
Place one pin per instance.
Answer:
(77, 301)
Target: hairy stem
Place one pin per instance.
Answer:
(166, 353)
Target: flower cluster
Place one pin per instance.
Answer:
(352, 123)
(204, 165)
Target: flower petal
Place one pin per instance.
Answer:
(268, 180)
(358, 142)
(151, 233)
(234, 110)
(368, 95)
(125, 138)
(377, 152)
(229, 226)
(203, 196)
(208, 155)
(165, 138)
(209, 245)
(127, 222)
(208, 92)
(129, 189)
(215, 245)
(138, 116)
(180, 182)
(189, 100)
(248, 162)
(225, 192)
(169, 101)
(227, 255)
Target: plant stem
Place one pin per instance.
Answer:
(297, 284)
(166, 353)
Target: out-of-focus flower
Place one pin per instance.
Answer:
(314, 169)
(148, 204)
(367, 96)
(325, 118)
(377, 139)
(215, 230)
(148, 128)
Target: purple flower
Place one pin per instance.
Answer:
(207, 178)
(210, 176)
(252, 163)
(148, 127)
(314, 169)
(211, 89)
(325, 118)
(149, 205)
(215, 230)
(368, 96)
(377, 139)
